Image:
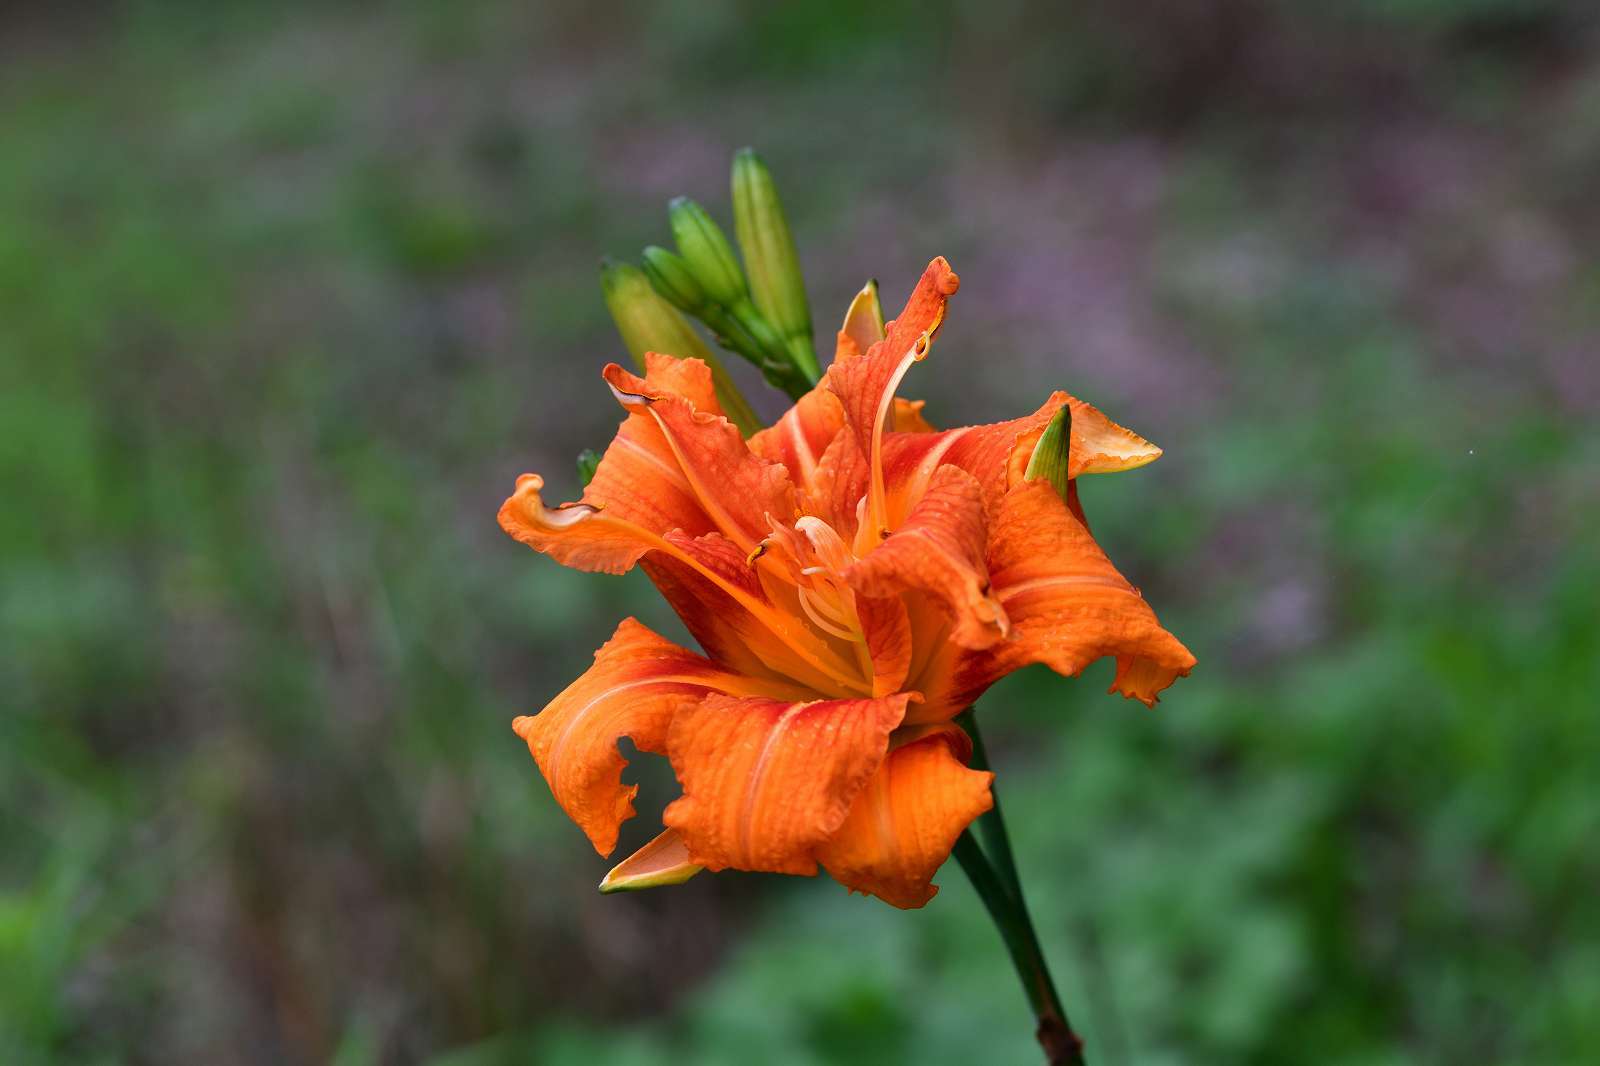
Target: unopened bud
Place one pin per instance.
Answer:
(770, 259)
(706, 252)
(672, 278)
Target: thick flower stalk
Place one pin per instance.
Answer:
(855, 580)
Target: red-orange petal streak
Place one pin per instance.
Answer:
(766, 782)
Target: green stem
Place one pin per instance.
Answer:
(992, 825)
(804, 355)
(1003, 898)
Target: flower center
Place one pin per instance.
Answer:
(804, 565)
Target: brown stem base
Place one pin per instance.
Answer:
(1062, 1047)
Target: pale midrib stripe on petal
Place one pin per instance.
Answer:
(1062, 580)
(802, 449)
(757, 772)
(671, 472)
(582, 713)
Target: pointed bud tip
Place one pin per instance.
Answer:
(1052, 455)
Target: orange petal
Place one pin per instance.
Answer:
(663, 861)
(861, 383)
(766, 782)
(887, 627)
(800, 436)
(579, 535)
(690, 378)
(866, 386)
(839, 484)
(638, 682)
(910, 459)
(639, 480)
(1068, 607)
(705, 454)
(903, 824)
(707, 579)
(940, 549)
(637, 485)
(908, 417)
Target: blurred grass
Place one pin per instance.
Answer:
(289, 295)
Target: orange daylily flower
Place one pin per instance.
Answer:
(856, 580)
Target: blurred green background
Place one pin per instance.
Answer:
(289, 295)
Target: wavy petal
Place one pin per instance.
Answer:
(638, 682)
(839, 485)
(734, 488)
(800, 436)
(1068, 607)
(639, 479)
(578, 535)
(691, 379)
(940, 549)
(638, 485)
(903, 824)
(984, 451)
(861, 384)
(766, 782)
(803, 434)
(866, 386)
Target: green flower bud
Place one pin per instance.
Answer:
(706, 252)
(1051, 454)
(671, 277)
(769, 256)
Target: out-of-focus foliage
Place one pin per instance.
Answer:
(290, 294)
